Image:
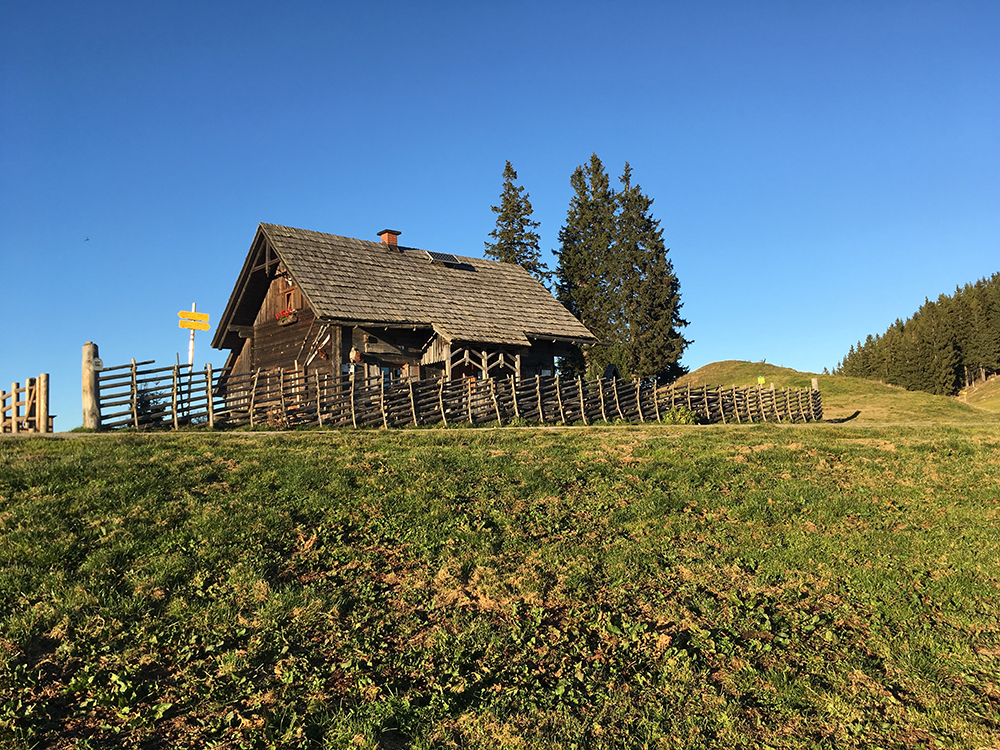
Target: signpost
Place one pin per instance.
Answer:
(196, 321)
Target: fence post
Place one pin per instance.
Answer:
(253, 394)
(538, 392)
(319, 399)
(583, 402)
(173, 396)
(513, 389)
(14, 404)
(135, 397)
(209, 392)
(444, 418)
(381, 402)
(562, 412)
(91, 391)
(413, 403)
(42, 401)
(496, 404)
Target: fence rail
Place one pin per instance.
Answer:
(26, 409)
(138, 397)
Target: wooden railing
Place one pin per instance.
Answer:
(141, 397)
(26, 409)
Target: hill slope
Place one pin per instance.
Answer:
(984, 396)
(842, 396)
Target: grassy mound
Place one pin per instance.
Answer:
(755, 586)
(842, 396)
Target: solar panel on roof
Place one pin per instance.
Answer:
(442, 257)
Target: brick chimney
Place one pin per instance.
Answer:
(389, 236)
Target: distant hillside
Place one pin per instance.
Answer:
(983, 396)
(842, 395)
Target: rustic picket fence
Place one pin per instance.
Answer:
(26, 409)
(142, 397)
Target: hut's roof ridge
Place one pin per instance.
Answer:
(352, 280)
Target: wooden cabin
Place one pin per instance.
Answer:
(342, 305)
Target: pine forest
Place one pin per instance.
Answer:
(946, 345)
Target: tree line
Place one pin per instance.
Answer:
(613, 273)
(945, 346)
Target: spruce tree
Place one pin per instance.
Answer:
(614, 275)
(583, 275)
(514, 237)
(649, 292)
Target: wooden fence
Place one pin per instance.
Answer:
(26, 409)
(141, 397)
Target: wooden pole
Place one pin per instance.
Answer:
(708, 410)
(90, 388)
(444, 417)
(496, 403)
(381, 402)
(210, 394)
(173, 397)
(14, 404)
(656, 402)
(538, 392)
(583, 402)
(253, 393)
(281, 393)
(319, 399)
(618, 405)
(135, 397)
(638, 400)
(562, 412)
(42, 399)
(600, 392)
(413, 404)
(470, 385)
(354, 416)
(513, 389)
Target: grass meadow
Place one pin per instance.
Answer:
(806, 586)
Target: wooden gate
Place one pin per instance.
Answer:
(26, 409)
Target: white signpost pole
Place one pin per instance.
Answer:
(194, 308)
(195, 321)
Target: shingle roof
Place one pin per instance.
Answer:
(348, 279)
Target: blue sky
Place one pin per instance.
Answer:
(818, 168)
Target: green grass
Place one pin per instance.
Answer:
(984, 396)
(760, 586)
(878, 404)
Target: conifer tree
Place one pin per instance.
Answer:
(947, 343)
(649, 292)
(584, 256)
(614, 275)
(514, 237)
